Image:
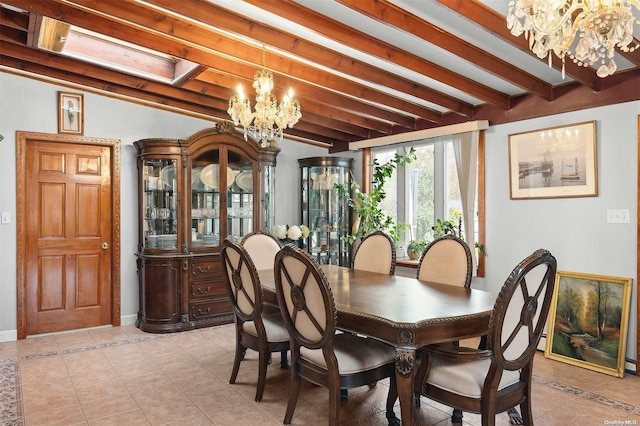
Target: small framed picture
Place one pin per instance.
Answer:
(554, 162)
(588, 321)
(70, 113)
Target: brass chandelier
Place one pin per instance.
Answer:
(587, 31)
(269, 119)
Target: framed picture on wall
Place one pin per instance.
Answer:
(554, 162)
(70, 113)
(588, 321)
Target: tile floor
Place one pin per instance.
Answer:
(122, 376)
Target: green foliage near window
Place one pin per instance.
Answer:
(366, 206)
(453, 227)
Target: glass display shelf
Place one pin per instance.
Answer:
(159, 204)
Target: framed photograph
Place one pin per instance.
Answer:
(554, 162)
(70, 113)
(588, 321)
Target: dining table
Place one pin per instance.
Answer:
(404, 312)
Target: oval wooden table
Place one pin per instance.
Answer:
(404, 312)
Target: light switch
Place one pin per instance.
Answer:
(6, 217)
(618, 216)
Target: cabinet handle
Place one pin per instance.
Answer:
(201, 312)
(204, 270)
(205, 291)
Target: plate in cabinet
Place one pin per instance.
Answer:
(244, 181)
(210, 175)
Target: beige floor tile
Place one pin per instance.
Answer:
(129, 418)
(178, 410)
(108, 406)
(54, 415)
(120, 375)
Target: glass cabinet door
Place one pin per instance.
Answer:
(326, 215)
(159, 204)
(240, 196)
(205, 200)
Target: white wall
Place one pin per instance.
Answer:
(573, 229)
(31, 105)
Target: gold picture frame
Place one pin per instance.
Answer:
(71, 113)
(554, 162)
(588, 321)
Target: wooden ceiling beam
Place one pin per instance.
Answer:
(112, 81)
(180, 29)
(14, 19)
(387, 52)
(496, 23)
(170, 45)
(218, 17)
(388, 13)
(13, 35)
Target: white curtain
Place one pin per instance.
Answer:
(465, 148)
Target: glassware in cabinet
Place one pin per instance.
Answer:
(159, 204)
(327, 216)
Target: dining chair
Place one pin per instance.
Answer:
(262, 333)
(319, 354)
(446, 260)
(376, 253)
(262, 249)
(496, 379)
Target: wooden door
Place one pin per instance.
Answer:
(68, 242)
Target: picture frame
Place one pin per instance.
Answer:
(554, 162)
(71, 113)
(588, 321)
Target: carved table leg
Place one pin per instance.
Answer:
(405, 360)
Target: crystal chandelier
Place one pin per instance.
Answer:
(587, 31)
(269, 119)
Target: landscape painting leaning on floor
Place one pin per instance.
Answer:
(588, 321)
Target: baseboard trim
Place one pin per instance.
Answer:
(8, 336)
(12, 335)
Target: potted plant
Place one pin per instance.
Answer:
(415, 248)
(454, 227)
(366, 206)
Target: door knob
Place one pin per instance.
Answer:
(105, 245)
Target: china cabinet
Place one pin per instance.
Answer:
(193, 193)
(323, 211)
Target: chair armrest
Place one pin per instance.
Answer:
(459, 353)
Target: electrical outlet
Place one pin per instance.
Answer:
(6, 217)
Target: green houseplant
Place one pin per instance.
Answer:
(366, 206)
(415, 248)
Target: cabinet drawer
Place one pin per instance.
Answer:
(209, 288)
(210, 308)
(208, 267)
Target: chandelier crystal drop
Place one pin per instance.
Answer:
(269, 119)
(586, 31)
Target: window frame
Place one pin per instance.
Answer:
(440, 190)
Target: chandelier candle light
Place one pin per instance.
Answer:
(588, 31)
(269, 119)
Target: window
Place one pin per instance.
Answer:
(426, 190)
